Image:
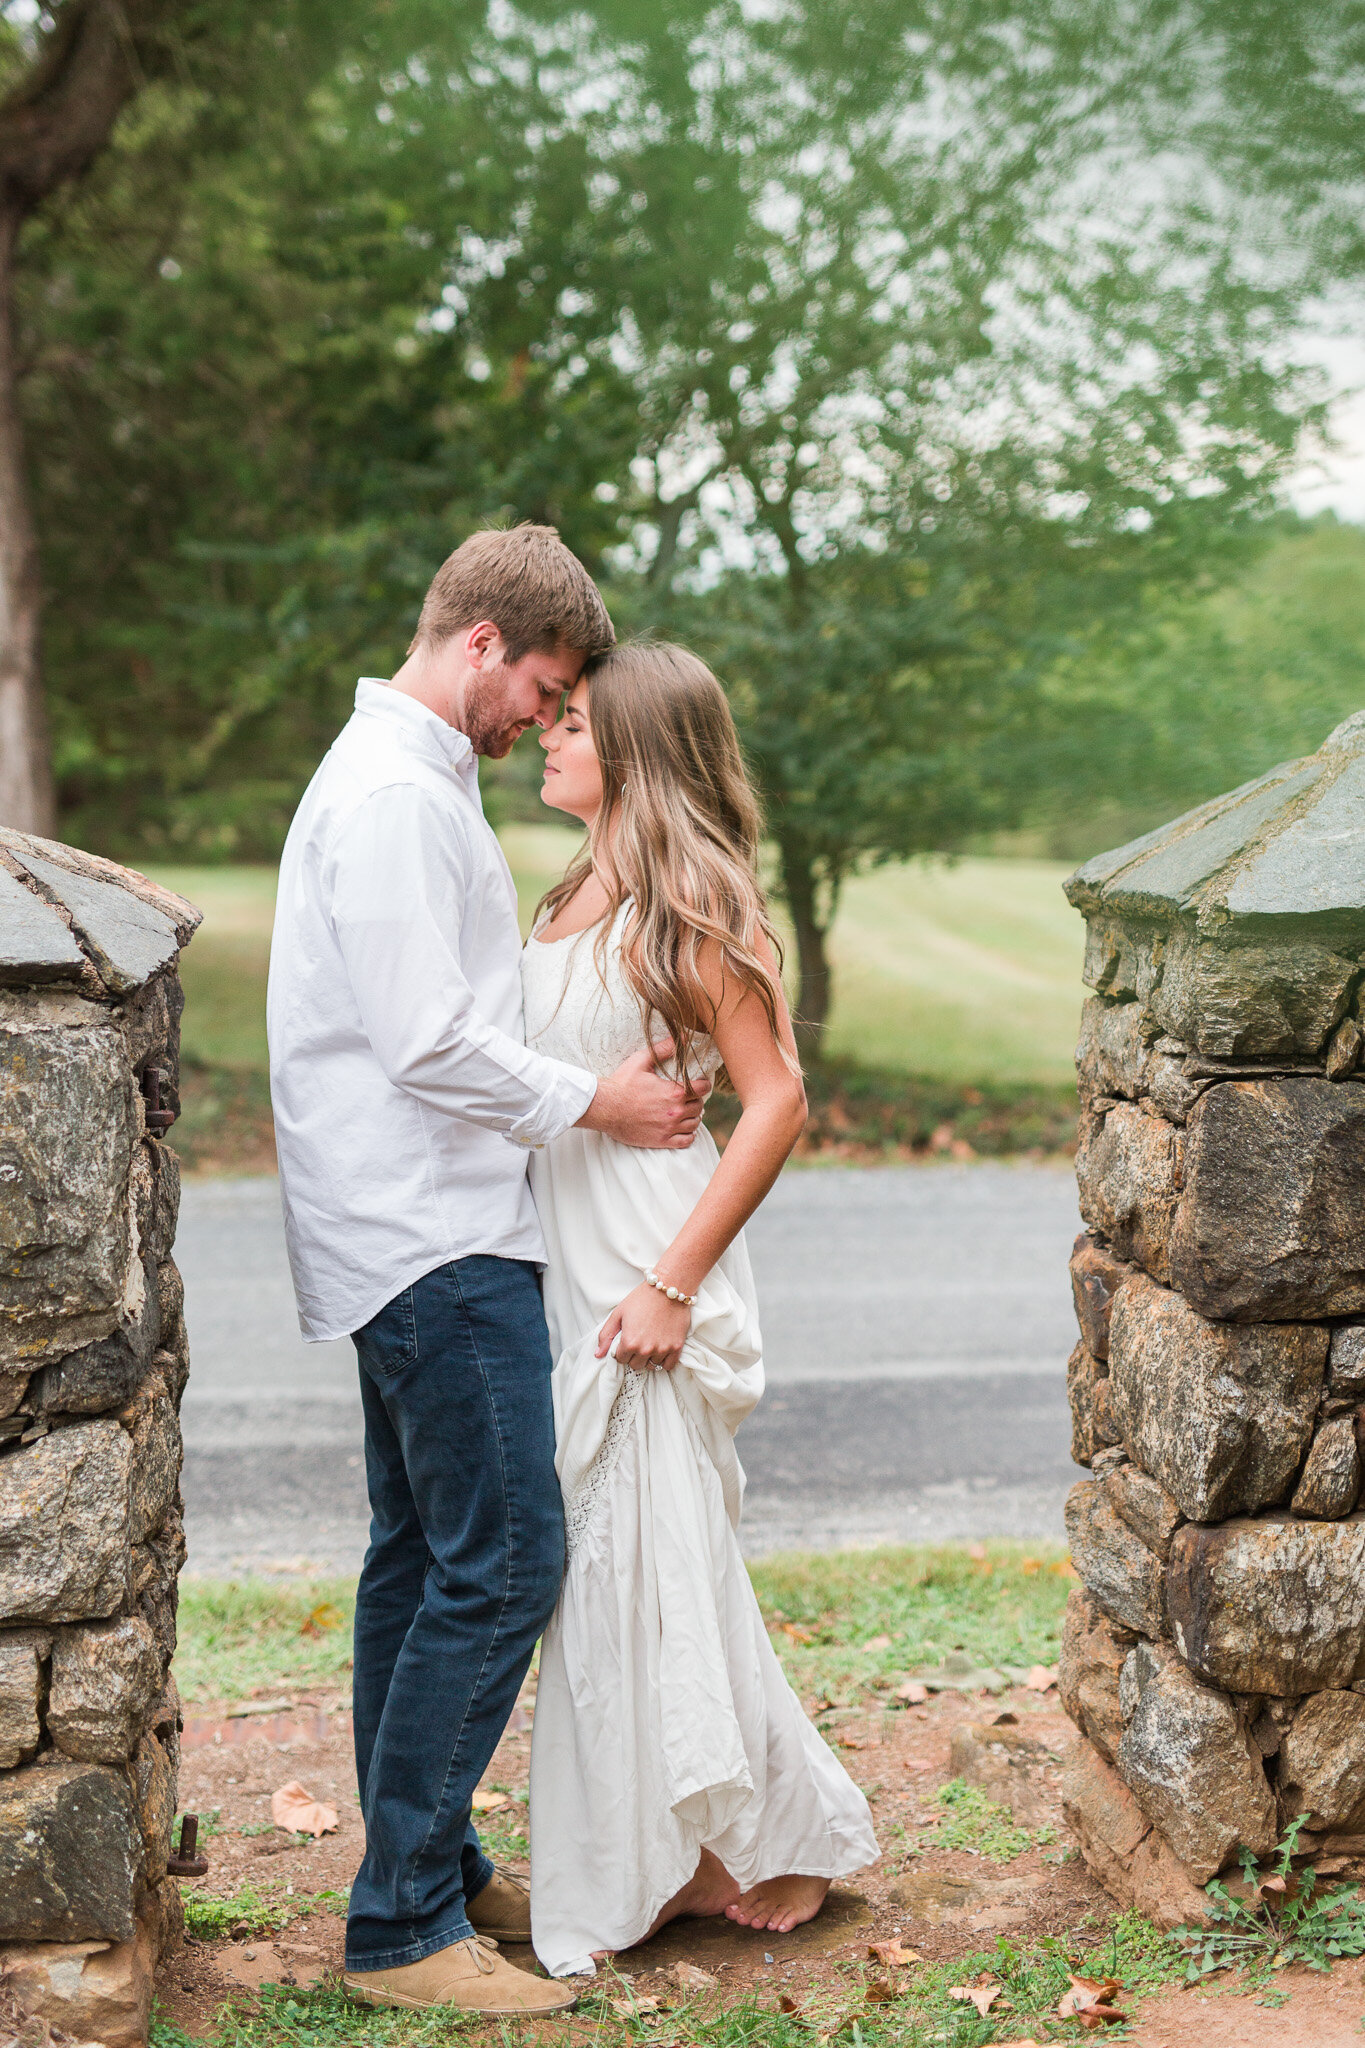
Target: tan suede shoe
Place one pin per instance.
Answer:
(469, 1975)
(503, 1908)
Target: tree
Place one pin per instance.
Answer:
(899, 355)
(1208, 694)
(974, 349)
(68, 80)
(281, 360)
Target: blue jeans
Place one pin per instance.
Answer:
(464, 1566)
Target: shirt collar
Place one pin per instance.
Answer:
(377, 699)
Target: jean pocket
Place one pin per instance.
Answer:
(388, 1341)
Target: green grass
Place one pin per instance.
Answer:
(957, 972)
(224, 967)
(865, 2007)
(243, 1915)
(972, 1821)
(237, 1637)
(1004, 1607)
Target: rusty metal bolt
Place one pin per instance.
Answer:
(185, 1861)
(157, 1119)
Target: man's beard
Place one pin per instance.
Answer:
(486, 723)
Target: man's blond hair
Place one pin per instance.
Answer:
(524, 579)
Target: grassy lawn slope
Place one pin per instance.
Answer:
(957, 994)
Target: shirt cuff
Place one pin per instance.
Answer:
(556, 1111)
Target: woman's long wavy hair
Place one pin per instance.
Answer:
(678, 834)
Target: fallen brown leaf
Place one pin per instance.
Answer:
(982, 1996)
(693, 1979)
(627, 2008)
(1089, 2002)
(322, 1617)
(913, 1692)
(1040, 1679)
(489, 1802)
(879, 1992)
(796, 1632)
(892, 1953)
(851, 1742)
(293, 1807)
(877, 1643)
(786, 2003)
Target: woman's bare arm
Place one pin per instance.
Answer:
(773, 1114)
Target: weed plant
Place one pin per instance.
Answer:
(1278, 1917)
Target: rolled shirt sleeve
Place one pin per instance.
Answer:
(399, 889)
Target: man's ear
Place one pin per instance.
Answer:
(483, 645)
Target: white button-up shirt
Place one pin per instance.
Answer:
(404, 1093)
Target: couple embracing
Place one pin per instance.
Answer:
(496, 1180)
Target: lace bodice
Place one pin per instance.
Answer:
(579, 1006)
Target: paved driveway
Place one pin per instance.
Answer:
(916, 1322)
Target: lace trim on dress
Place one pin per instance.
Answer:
(597, 1478)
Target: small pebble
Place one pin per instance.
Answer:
(250, 1954)
(767, 1958)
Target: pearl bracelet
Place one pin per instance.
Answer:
(673, 1293)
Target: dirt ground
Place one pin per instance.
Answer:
(941, 1904)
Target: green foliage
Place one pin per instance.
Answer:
(972, 1821)
(889, 411)
(242, 1915)
(237, 1636)
(1210, 694)
(1275, 1919)
(164, 2034)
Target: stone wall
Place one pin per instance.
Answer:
(1214, 1656)
(93, 1361)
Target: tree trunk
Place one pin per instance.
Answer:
(94, 55)
(812, 1002)
(26, 794)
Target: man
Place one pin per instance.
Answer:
(405, 1099)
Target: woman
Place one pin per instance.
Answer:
(672, 1769)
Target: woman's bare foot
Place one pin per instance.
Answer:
(710, 1889)
(780, 1904)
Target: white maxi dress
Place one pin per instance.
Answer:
(663, 1723)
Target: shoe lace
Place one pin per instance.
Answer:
(484, 1954)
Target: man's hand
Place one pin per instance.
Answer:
(638, 1105)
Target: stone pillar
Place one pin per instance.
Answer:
(1215, 1650)
(93, 1360)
